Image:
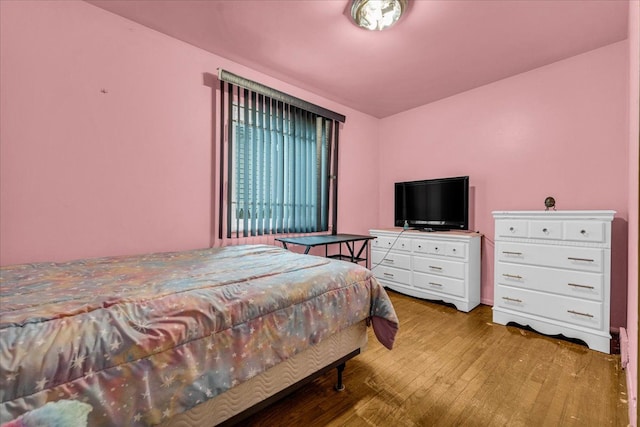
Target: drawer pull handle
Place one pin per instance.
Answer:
(511, 229)
(583, 231)
(512, 299)
(580, 259)
(435, 267)
(388, 260)
(388, 274)
(545, 230)
(580, 286)
(435, 284)
(512, 276)
(580, 314)
(511, 253)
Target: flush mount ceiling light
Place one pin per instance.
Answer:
(377, 14)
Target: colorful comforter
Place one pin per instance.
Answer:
(142, 338)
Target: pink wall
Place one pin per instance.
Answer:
(555, 131)
(634, 177)
(85, 173)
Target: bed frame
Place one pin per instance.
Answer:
(248, 398)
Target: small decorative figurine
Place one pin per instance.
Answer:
(550, 202)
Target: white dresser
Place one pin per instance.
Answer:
(443, 266)
(553, 273)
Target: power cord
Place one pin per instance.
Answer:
(388, 250)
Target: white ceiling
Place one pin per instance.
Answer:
(440, 48)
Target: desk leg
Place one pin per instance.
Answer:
(364, 248)
(306, 250)
(350, 246)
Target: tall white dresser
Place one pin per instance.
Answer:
(441, 266)
(553, 273)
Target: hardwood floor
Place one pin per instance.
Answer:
(450, 368)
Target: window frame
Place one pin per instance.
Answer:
(231, 97)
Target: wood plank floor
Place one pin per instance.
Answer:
(450, 368)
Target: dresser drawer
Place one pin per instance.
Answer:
(576, 284)
(429, 247)
(456, 250)
(563, 309)
(575, 258)
(439, 267)
(440, 284)
(512, 228)
(391, 242)
(390, 259)
(545, 230)
(448, 249)
(384, 273)
(584, 231)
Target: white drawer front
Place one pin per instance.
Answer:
(448, 249)
(564, 309)
(576, 284)
(545, 229)
(381, 242)
(390, 259)
(440, 267)
(511, 228)
(430, 247)
(457, 250)
(584, 231)
(420, 246)
(575, 258)
(384, 273)
(440, 284)
(436, 248)
(388, 242)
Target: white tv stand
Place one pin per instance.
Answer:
(442, 266)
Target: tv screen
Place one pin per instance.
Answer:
(433, 204)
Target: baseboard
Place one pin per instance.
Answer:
(624, 347)
(624, 360)
(633, 401)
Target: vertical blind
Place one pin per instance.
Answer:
(281, 174)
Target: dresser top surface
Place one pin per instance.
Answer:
(553, 214)
(429, 233)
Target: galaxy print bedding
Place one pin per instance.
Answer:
(141, 338)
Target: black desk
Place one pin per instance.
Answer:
(325, 240)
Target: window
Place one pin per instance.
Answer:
(281, 163)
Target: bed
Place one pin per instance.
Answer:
(178, 338)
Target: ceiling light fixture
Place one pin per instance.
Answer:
(377, 14)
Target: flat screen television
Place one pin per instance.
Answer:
(433, 204)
